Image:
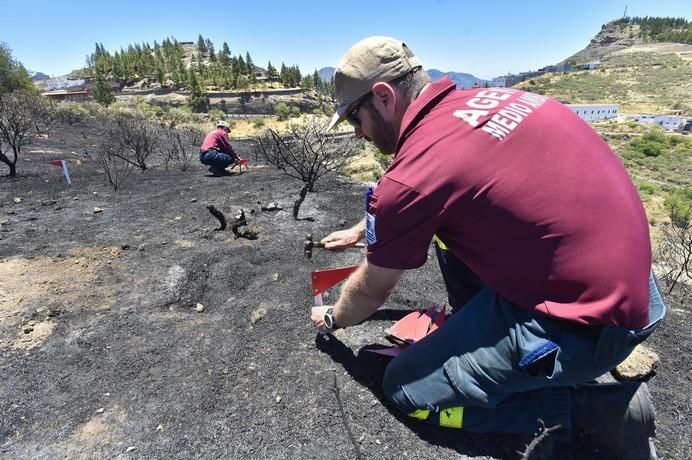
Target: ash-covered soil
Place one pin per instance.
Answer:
(103, 353)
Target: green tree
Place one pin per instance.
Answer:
(271, 71)
(317, 81)
(102, 91)
(201, 44)
(13, 75)
(307, 83)
(197, 99)
(210, 50)
(225, 55)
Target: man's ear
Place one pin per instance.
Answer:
(384, 97)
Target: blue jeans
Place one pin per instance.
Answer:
(216, 159)
(496, 367)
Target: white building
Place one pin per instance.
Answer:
(595, 112)
(646, 118)
(498, 82)
(671, 122)
(62, 83)
(667, 122)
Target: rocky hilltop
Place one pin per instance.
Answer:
(614, 36)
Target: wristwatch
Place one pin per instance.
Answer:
(329, 319)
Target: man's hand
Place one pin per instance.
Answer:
(317, 317)
(342, 239)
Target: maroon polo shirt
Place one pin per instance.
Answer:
(526, 194)
(217, 140)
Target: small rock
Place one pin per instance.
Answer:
(177, 217)
(141, 247)
(273, 207)
(342, 223)
(378, 442)
(97, 210)
(159, 428)
(639, 365)
(76, 198)
(194, 200)
(100, 410)
(28, 329)
(48, 202)
(17, 199)
(278, 399)
(199, 307)
(130, 449)
(125, 247)
(275, 277)
(259, 313)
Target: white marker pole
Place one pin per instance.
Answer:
(67, 174)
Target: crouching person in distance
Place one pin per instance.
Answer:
(216, 151)
(542, 240)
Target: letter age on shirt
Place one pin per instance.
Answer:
(489, 108)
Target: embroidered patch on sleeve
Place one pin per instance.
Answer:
(370, 233)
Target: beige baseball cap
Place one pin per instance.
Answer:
(222, 124)
(369, 61)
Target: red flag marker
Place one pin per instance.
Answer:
(63, 165)
(324, 279)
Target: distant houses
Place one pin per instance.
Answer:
(505, 81)
(667, 122)
(55, 83)
(595, 112)
(76, 92)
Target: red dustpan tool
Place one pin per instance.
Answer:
(412, 328)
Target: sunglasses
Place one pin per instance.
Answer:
(352, 116)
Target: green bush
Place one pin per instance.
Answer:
(679, 206)
(651, 144)
(258, 123)
(282, 111)
(646, 189)
(216, 115)
(151, 111)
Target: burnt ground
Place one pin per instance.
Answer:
(104, 355)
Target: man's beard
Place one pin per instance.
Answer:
(384, 134)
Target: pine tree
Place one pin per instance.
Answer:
(271, 71)
(225, 55)
(201, 44)
(317, 81)
(242, 68)
(198, 99)
(102, 91)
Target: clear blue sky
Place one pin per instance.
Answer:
(486, 39)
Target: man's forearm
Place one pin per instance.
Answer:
(364, 292)
(360, 229)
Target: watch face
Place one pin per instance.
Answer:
(329, 320)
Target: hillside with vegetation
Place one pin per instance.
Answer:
(193, 68)
(641, 78)
(645, 66)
